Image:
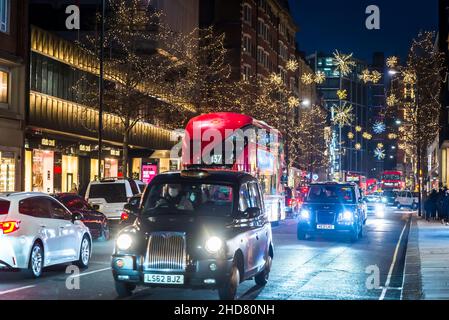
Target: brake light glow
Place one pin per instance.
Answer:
(290, 201)
(9, 226)
(124, 216)
(4, 207)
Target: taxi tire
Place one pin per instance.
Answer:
(124, 289)
(228, 290)
(262, 277)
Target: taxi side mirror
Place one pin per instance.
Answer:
(96, 207)
(252, 212)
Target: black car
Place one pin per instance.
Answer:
(96, 221)
(389, 197)
(130, 211)
(196, 229)
(331, 208)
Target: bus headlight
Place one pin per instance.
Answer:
(213, 244)
(124, 241)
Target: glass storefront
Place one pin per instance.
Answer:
(110, 168)
(69, 174)
(42, 177)
(7, 171)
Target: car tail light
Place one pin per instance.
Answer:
(9, 226)
(124, 216)
(4, 207)
(290, 201)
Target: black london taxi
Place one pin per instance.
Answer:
(332, 208)
(197, 229)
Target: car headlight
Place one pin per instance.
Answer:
(124, 241)
(214, 244)
(347, 215)
(384, 200)
(305, 214)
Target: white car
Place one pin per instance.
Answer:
(109, 196)
(37, 231)
(406, 198)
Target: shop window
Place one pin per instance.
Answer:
(7, 171)
(43, 162)
(4, 86)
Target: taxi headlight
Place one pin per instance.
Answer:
(214, 244)
(384, 199)
(305, 214)
(347, 215)
(124, 241)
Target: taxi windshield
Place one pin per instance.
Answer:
(330, 194)
(189, 198)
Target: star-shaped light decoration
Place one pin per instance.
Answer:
(307, 78)
(392, 61)
(392, 136)
(379, 153)
(380, 145)
(275, 78)
(358, 128)
(293, 102)
(367, 136)
(343, 114)
(292, 65)
(358, 146)
(375, 76)
(343, 62)
(379, 127)
(391, 100)
(365, 76)
(342, 94)
(350, 135)
(409, 77)
(319, 77)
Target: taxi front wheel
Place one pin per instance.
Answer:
(228, 290)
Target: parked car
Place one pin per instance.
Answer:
(406, 199)
(96, 221)
(331, 208)
(196, 229)
(111, 195)
(130, 211)
(38, 231)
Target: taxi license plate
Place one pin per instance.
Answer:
(325, 226)
(164, 278)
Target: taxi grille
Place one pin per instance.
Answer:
(166, 251)
(325, 217)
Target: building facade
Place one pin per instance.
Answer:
(13, 84)
(349, 150)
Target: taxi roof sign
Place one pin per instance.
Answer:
(194, 173)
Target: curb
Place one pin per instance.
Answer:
(412, 287)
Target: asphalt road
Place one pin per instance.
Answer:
(319, 268)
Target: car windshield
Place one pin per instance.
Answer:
(111, 192)
(390, 194)
(189, 198)
(331, 193)
(74, 203)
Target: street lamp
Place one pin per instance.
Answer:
(305, 102)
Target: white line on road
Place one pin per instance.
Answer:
(90, 272)
(387, 283)
(16, 289)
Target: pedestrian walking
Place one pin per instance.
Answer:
(431, 205)
(445, 211)
(439, 204)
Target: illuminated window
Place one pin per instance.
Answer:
(4, 16)
(246, 72)
(4, 79)
(247, 44)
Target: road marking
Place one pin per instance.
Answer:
(16, 289)
(90, 272)
(387, 283)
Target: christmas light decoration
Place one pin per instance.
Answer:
(379, 127)
(292, 65)
(350, 135)
(307, 78)
(409, 77)
(319, 77)
(358, 128)
(275, 78)
(380, 145)
(358, 146)
(392, 136)
(391, 100)
(342, 94)
(343, 114)
(379, 153)
(343, 62)
(375, 76)
(293, 101)
(392, 61)
(367, 136)
(365, 76)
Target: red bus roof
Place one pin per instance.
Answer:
(392, 172)
(225, 120)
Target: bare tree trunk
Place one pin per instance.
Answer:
(419, 181)
(125, 149)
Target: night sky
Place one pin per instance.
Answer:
(326, 25)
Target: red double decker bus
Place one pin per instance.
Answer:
(392, 180)
(238, 142)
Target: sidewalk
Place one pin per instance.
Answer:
(426, 274)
